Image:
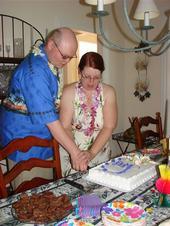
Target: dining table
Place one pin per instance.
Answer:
(146, 196)
(120, 138)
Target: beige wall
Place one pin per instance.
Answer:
(132, 105)
(120, 71)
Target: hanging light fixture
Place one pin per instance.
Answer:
(145, 11)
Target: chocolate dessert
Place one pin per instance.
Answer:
(42, 208)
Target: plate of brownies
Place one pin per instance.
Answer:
(42, 208)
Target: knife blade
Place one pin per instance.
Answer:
(74, 184)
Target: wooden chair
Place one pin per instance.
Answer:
(148, 136)
(24, 144)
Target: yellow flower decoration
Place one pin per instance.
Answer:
(36, 51)
(53, 68)
(60, 88)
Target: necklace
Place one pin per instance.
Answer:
(89, 105)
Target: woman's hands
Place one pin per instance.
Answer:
(80, 161)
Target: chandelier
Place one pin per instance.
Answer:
(146, 10)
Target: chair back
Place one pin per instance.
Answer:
(23, 145)
(144, 135)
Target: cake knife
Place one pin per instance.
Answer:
(74, 184)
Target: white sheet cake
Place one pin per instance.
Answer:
(123, 173)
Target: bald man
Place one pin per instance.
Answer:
(34, 95)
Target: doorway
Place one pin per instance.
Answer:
(87, 41)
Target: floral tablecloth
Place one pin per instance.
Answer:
(146, 196)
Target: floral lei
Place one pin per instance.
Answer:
(37, 51)
(92, 111)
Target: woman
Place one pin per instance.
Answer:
(89, 112)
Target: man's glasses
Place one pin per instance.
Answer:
(65, 57)
(89, 78)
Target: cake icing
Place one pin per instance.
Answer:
(120, 213)
(123, 173)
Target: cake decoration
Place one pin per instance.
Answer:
(123, 167)
(138, 158)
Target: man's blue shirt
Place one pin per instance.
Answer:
(33, 91)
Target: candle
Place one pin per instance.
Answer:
(31, 36)
(169, 152)
(100, 5)
(46, 32)
(146, 18)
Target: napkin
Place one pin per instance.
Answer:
(88, 206)
(163, 186)
(163, 183)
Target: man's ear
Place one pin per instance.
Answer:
(50, 44)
